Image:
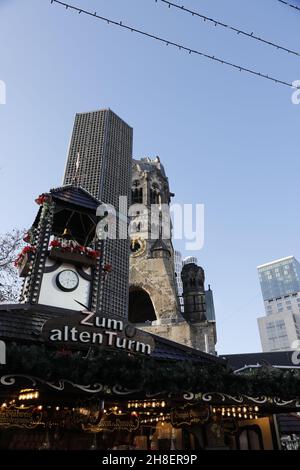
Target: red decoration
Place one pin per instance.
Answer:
(27, 238)
(93, 253)
(74, 247)
(55, 243)
(107, 268)
(42, 199)
(26, 249)
(29, 249)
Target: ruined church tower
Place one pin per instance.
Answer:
(152, 286)
(153, 298)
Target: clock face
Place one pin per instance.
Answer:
(137, 247)
(67, 280)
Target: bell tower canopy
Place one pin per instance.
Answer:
(75, 196)
(75, 211)
(61, 266)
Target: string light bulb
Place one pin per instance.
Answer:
(182, 47)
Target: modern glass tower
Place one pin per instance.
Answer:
(280, 286)
(100, 161)
(279, 278)
(100, 155)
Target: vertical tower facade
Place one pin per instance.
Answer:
(100, 155)
(279, 278)
(178, 267)
(198, 306)
(100, 161)
(153, 292)
(154, 297)
(280, 286)
(193, 293)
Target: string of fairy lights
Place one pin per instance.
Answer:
(228, 27)
(179, 46)
(244, 412)
(148, 412)
(289, 4)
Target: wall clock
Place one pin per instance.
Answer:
(67, 280)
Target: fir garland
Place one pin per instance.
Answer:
(147, 374)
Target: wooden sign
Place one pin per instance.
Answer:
(87, 329)
(189, 415)
(17, 417)
(114, 422)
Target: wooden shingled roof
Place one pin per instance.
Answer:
(23, 323)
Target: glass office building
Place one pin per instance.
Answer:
(279, 278)
(280, 286)
(100, 161)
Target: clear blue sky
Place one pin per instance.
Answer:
(227, 140)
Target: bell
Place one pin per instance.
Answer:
(67, 234)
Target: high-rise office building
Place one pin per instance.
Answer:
(279, 278)
(100, 155)
(100, 161)
(280, 286)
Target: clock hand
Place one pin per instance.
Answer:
(86, 308)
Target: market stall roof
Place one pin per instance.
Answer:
(24, 323)
(279, 359)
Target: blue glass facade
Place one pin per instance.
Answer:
(279, 278)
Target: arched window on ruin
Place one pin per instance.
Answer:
(154, 196)
(141, 308)
(137, 196)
